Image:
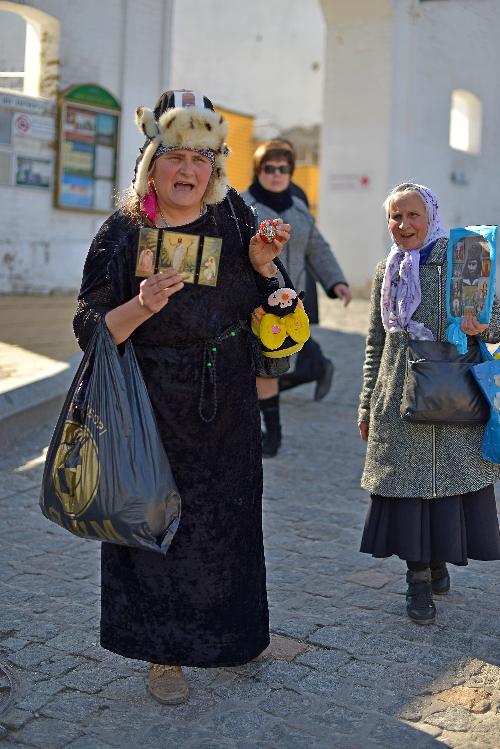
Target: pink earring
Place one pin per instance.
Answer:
(149, 203)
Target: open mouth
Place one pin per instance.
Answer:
(183, 186)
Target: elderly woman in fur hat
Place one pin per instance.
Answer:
(205, 603)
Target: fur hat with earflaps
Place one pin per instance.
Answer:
(183, 120)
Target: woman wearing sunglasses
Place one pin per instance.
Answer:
(272, 195)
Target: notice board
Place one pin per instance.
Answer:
(88, 131)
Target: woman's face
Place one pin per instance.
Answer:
(407, 221)
(181, 178)
(271, 177)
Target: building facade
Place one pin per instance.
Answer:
(119, 46)
(410, 94)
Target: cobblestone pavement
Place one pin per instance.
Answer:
(347, 669)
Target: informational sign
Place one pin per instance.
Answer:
(33, 126)
(33, 172)
(87, 149)
(27, 135)
(348, 181)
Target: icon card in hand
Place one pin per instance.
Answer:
(470, 276)
(210, 261)
(180, 252)
(146, 252)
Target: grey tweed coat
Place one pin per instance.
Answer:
(306, 242)
(416, 460)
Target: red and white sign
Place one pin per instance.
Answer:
(33, 126)
(22, 124)
(348, 181)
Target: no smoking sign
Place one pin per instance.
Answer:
(22, 124)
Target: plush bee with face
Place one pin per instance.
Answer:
(281, 324)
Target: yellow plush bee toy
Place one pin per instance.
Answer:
(281, 324)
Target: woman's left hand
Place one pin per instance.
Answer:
(262, 253)
(471, 326)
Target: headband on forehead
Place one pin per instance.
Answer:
(183, 120)
(207, 152)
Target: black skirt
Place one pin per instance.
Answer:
(445, 529)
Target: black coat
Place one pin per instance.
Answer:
(205, 603)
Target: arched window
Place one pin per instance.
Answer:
(465, 121)
(30, 50)
(12, 51)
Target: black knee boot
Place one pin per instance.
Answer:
(271, 438)
(419, 604)
(440, 578)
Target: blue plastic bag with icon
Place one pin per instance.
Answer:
(487, 376)
(470, 282)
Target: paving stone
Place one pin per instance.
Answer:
(370, 578)
(73, 641)
(35, 696)
(282, 673)
(59, 665)
(286, 702)
(239, 722)
(451, 718)
(473, 699)
(128, 687)
(392, 733)
(242, 690)
(88, 742)
(75, 704)
(328, 661)
(414, 710)
(369, 679)
(12, 644)
(31, 655)
(342, 638)
(15, 718)
(88, 678)
(298, 628)
(47, 733)
(283, 648)
(283, 735)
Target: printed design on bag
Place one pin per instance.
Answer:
(471, 273)
(75, 485)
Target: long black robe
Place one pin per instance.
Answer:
(205, 602)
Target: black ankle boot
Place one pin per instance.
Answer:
(419, 604)
(271, 438)
(440, 579)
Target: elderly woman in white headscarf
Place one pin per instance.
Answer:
(432, 497)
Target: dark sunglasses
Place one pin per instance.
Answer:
(270, 169)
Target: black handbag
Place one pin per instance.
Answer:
(439, 387)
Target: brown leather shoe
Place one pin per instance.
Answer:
(167, 684)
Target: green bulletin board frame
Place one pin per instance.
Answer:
(87, 150)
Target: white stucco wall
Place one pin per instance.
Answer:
(356, 121)
(257, 57)
(123, 46)
(393, 64)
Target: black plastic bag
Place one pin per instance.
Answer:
(107, 475)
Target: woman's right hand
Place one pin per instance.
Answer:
(363, 427)
(156, 290)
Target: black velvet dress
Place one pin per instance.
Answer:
(204, 603)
